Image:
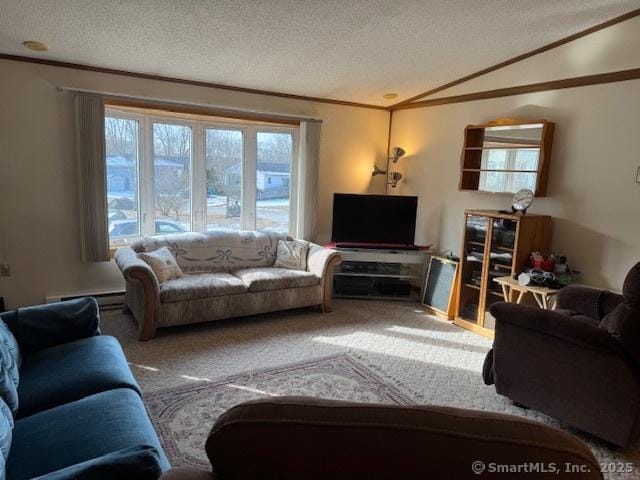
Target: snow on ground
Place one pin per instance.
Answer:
(220, 200)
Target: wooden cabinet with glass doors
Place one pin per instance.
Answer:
(494, 245)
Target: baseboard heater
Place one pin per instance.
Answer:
(106, 300)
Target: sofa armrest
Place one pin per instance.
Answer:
(608, 302)
(321, 258)
(587, 301)
(321, 261)
(188, 473)
(140, 462)
(547, 322)
(43, 326)
(136, 270)
(129, 263)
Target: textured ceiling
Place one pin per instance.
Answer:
(354, 50)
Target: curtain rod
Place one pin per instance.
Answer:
(220, 110)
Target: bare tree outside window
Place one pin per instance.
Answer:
(172, 172)
(171, 140)
(224, 178)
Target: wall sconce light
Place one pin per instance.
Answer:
(394, 178)
(396, 153)
(377, 171)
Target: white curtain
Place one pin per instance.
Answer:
(92, 179)
(309, 166)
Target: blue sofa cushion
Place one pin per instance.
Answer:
(80, 431)
(44, 326)
(71, 371)
(141, 462)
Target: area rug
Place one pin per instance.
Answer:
(184, 415)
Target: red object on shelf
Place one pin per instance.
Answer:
(544, 263)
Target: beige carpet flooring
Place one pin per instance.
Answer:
(431, 360)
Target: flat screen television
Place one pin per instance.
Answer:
(374, 219)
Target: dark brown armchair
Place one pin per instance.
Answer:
(579, 363)
(295, 438)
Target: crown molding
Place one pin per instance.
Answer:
(184, 81)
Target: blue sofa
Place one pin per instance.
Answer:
(69, 404)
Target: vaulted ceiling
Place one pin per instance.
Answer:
(351, 50)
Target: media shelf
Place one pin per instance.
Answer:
(495, 244)
(379, 273)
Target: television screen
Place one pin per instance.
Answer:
(374, 219)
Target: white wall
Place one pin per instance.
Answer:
(592, 194)
(39, 229)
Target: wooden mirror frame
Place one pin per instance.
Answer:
(471, 158)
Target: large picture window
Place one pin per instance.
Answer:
(169, 175)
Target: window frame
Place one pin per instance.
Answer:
(198, 182)
(140, 194)
(235, 127)
(151, 120)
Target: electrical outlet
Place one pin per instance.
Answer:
(5, 270)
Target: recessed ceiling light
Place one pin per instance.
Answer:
(35, 46)
(390, 96)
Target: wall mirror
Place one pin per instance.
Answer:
(507, 155)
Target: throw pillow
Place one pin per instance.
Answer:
(6, 430)
(292, 254)
(163, 264)
(8, 390)
(623, 324)
(52, 324)
(10, 354)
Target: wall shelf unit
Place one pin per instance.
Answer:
(506, 155)
(494, 245)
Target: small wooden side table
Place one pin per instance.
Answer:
(542, 295)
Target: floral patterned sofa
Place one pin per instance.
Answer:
(227, 274)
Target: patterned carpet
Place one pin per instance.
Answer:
(183, 415)
(382, 351)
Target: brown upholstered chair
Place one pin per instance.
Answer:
(296, 438)
(579, 363)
